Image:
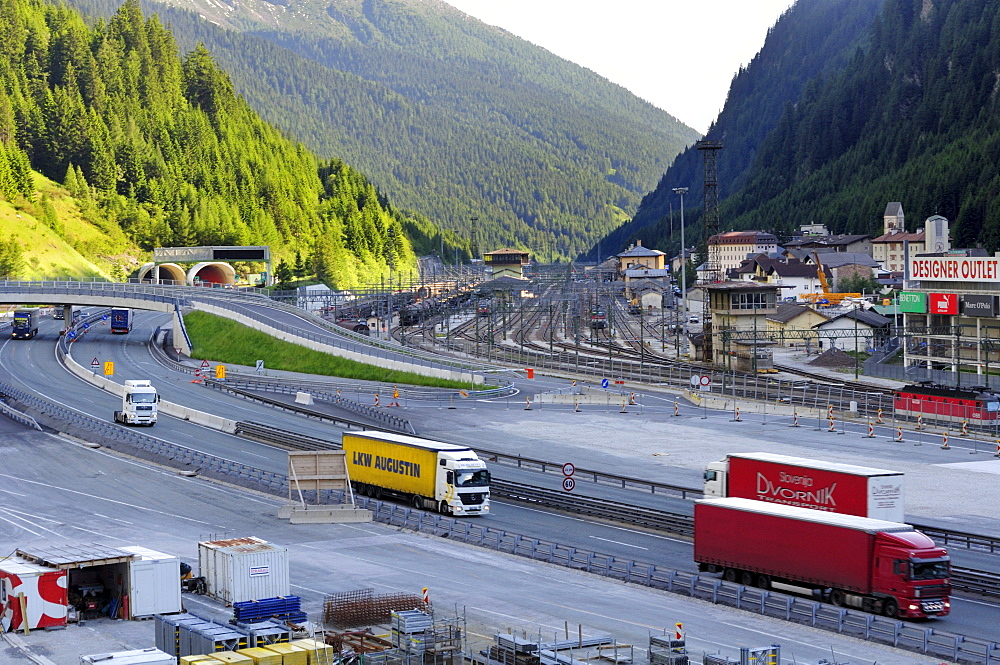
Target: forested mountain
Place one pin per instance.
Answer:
(449, 117)
(163, 149)
(813, 38)
(912, 117)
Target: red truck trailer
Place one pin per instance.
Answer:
(873, 565)
(808, 483)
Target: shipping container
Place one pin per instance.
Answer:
(241, 569)
(874, 565)
(808, 483)
(136, 657)
(44, 595)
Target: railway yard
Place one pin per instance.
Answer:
(610, 393)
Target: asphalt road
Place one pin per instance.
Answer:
(55, 490)
(646, 442)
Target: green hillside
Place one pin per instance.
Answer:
(452, 119)
(159, 150)
(911, 115)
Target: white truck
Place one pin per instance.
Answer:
(138, 404)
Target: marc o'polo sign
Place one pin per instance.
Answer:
(979, 305)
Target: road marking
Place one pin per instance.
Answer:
(102, 498)
(618, 542)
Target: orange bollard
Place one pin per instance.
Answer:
(795, 419)
(899, 434)
(879, 420)
(677, 408)
(871, 430)
(944, 444)
(527, 403)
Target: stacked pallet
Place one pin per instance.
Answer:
(287, 609)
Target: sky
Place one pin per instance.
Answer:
(680, 55)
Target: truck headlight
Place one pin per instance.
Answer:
(914, 607)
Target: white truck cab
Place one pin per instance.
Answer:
(138, 404)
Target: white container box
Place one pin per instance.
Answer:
(241, 569)
(137, 657)
(155, 583)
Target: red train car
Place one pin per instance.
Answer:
(946, 403)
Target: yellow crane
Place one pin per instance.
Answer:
(830, 297)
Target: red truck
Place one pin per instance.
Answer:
(808, 483)
(873, 565)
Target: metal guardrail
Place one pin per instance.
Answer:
(899, 634)
(17, 416)
(385, 420)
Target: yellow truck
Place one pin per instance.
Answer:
(427, 474)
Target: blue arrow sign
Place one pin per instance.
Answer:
(604, 383)
(86, 326)
(72, 334)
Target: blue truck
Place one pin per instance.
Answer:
(25, 324)
(121, 320)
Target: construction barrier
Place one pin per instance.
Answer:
(965, 428)
(736, 418)
(631, 399)
(998, 448)
(871, 430)
(377, 401)
(677, 408)
(623, 407)
(879, 420)
(899, 434)
(833, 427)
(944, 439)
(795, 419)
(920, 421)
(576, 406)
(527, 403)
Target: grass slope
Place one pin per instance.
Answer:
(80, 250)
(218, 339)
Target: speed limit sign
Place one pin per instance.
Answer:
(569, 484)
(568, 469)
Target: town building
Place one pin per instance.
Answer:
(788, 325)
(735, 337)
(506, 262)
(732, 247)
(638, 256)
(890, 248)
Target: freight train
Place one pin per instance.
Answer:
(946, 403)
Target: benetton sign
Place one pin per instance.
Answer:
(913, 303)
(955, 269)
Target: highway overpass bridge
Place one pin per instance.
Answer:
(251, 308)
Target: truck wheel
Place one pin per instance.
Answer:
(417, 502)
(763, 581)
(443, 508)
(377, 494)
(747, 578)
(729, 575)
(890, 608)
(838, 598)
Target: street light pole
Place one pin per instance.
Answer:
(681, 191)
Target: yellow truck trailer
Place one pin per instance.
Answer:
(428, 474)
